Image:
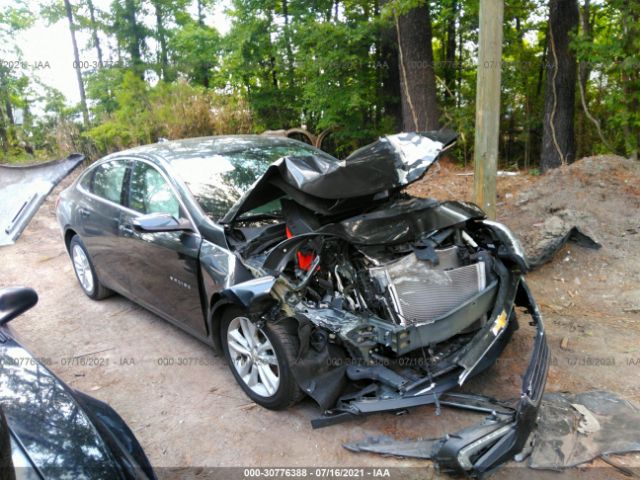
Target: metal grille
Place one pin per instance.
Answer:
(422, 293)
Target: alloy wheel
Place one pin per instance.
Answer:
(253, 357)
(83, 268)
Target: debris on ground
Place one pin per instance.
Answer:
(577, 428)
(565, 226)
(573, 429)
(24, 188)
(593, 202)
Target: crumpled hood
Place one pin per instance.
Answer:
(323, 183)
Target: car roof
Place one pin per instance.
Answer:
(205, 146)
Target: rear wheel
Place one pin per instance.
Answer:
(85, 272)
(260, 359)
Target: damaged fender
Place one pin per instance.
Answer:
(512, 249)
(254, 295)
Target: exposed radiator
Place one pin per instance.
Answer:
(421, 293)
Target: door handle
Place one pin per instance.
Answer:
(84, 213)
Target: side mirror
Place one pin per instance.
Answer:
(161, 222)
(15, 301)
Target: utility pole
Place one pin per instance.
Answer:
(487, 128)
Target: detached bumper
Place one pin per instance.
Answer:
(480, 448)
(504, 433)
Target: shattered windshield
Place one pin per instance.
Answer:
(218, 181)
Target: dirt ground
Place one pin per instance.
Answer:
(182, 403)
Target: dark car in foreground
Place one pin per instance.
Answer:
(47, 429)
(315, 276)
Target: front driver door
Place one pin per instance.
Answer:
(163, 273)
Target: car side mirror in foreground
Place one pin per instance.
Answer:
(161, 222)
(15, 301)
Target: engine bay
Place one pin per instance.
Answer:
(375, 296)
(402, 285)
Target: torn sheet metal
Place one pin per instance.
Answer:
(565, 226)
(577, 428)
(574, 234)
(326, 185)
(23, 189)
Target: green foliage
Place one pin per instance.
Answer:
(144, 114)
(14, 80)
(338, 79)
(130, 123)
(253, 67)
(52, 11)
(131, 35)
(308, 67)
(195, 51)
(322, 65)
(613, 55)
(15, 18)
(100, 86)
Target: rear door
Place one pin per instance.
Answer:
(162, 266)
(98, 214)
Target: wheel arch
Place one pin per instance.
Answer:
(220, 302)
(68, 235)
(217, 306)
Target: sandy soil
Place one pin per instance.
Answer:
(185, 408)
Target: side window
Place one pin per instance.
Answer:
(85, 181)
(150, 192)
(107, 179)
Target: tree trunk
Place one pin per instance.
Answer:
(390, 74)
(5, 122)
(583, 77)
(558, 139)
(162, 40)
(5, 95)
(4, 141)
(459, 71)
(450, 50)
(200, 13)
(631, 78)
(76, 56)
(543, 64)
(417, 79)
(287, 41)
(94, 32)
(135, 38)
(9, 109)
(203, 67)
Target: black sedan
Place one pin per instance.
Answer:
(47, 429)
(315, 276)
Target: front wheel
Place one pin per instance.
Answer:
(85, 272)
(260, 359)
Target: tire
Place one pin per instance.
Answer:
(256, 373)
(85, 271)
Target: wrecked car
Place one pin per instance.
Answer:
(315, 276)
